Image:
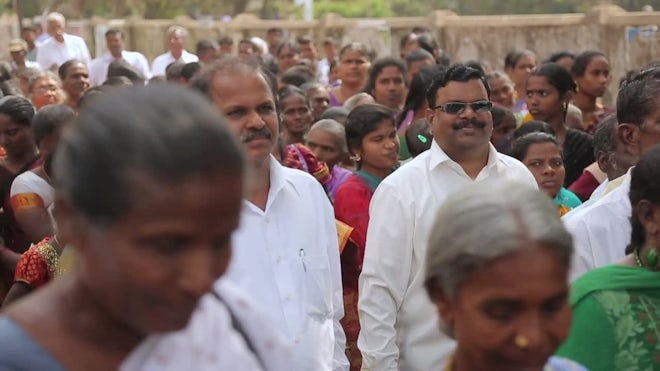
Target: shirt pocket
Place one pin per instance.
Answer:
(318, 287)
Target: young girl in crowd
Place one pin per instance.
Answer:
(549, 90)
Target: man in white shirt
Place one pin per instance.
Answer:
(114, 40)
(285, 252)
(176, 36)
(601, 231)
(60, 47)
(399, 324)
(18, 49)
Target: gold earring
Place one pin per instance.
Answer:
(357, 158)
(521, 341)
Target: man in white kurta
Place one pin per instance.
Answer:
(285, 253)
(60, 47)
(114, 39)
(601, 231)
(399, 325)
(176, 44)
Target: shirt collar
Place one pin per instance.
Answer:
(438, 156)
(278, 181)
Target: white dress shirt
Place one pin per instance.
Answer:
(52, 52)
(601, 231)
(212, 340)
(98, 69)
(399, 324)
(162, 61)
(287, 259)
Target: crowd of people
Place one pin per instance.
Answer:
(258, 207)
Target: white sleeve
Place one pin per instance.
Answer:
(42, 57)
(340, 361)
(84, 52)
(22, 185)
(384, 279)
(143, 66)
(583, 258)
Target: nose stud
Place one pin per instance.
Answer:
(521, 341)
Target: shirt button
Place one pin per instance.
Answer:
(267, 220)
(297, 341)
(287, 297)
(278, 259)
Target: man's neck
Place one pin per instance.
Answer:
(59, 38)
(176, 53)
(116, 55)
(472, 161)
(258, 183)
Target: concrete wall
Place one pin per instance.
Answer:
(604, 28)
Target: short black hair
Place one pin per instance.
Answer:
(297, 76)
(499, 114)
(288, 91)
(533, 126)
(378, 67)
(363, 120)
(64, 68)
(418, 137)
(114, 31)
(173, 70)
(164, 132)
(457, 72)
(204, 45)
(418, 55)
(644, 185)
(122, 68)
(556, 56)
(605, 135)
(190, 69)
(521, 145)
(50, 119)
(638, 96)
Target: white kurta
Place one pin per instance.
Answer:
(162, 61)
(98, 69)
(212, 342)
(399, 324)
(287, 259)
(51, 52)
(601, 231)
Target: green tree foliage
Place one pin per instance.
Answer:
(286, 8)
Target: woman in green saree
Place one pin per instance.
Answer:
(616, 309)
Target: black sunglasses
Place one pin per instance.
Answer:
(456, 108)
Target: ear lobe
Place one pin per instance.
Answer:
(444, 306)
(430, 114)
(628, 134)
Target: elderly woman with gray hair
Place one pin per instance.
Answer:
(497, 271)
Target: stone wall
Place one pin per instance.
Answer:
(604, 28)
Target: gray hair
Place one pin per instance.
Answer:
(55, 16)
(333, 128)
(176, 28)
(42, 75)
(358, 99)
(605, 135)
(473, 228)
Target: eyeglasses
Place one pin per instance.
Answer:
(456, 108)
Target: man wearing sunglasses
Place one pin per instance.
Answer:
(399, 325)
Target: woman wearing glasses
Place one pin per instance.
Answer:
(45, 88)
(550, 88)
(497, 273)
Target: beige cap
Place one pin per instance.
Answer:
(18, 45)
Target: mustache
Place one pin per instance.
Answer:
(478, 124)
(252, 134)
